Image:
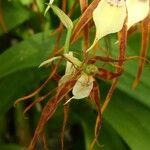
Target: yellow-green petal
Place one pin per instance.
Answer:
(70, 69)
(137, 11)
(64, 79)
(75, 61)
(69, 66)
(108, 18)
(48, 7)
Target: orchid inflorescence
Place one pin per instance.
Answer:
(109, 16)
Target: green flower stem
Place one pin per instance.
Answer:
(67, 42)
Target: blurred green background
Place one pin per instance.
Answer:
(25, 42)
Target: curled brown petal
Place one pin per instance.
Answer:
(40, 88)
(49, 110)
(143, 52)
(85, 18)
(95, 97)
(122, 49)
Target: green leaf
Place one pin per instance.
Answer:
(18, 84)
(141, 93)
(26, 2)
(11, 147)
(27, 54)
(109, 139)
(130, 119)
(13, 15)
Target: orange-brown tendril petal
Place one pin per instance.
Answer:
(2, 22)
(95, 97)
(40, 88)
(49, 110)
(66, 111)
(143, 52)
(39, 99)
(122, 47)
(85, 18)
(107, 75)
(84, 5)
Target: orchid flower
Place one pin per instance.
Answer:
(84, 83)
(109, 16)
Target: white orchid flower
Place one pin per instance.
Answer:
(109, 15)
(138, 10)
(83, 85)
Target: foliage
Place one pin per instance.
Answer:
(27, 38)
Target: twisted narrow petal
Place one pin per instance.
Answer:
(108, 18)
(49, 61)
(70, 69)
(75, 61)
(137, 11)
(48, 7)
(69, 66)
(64, 79)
